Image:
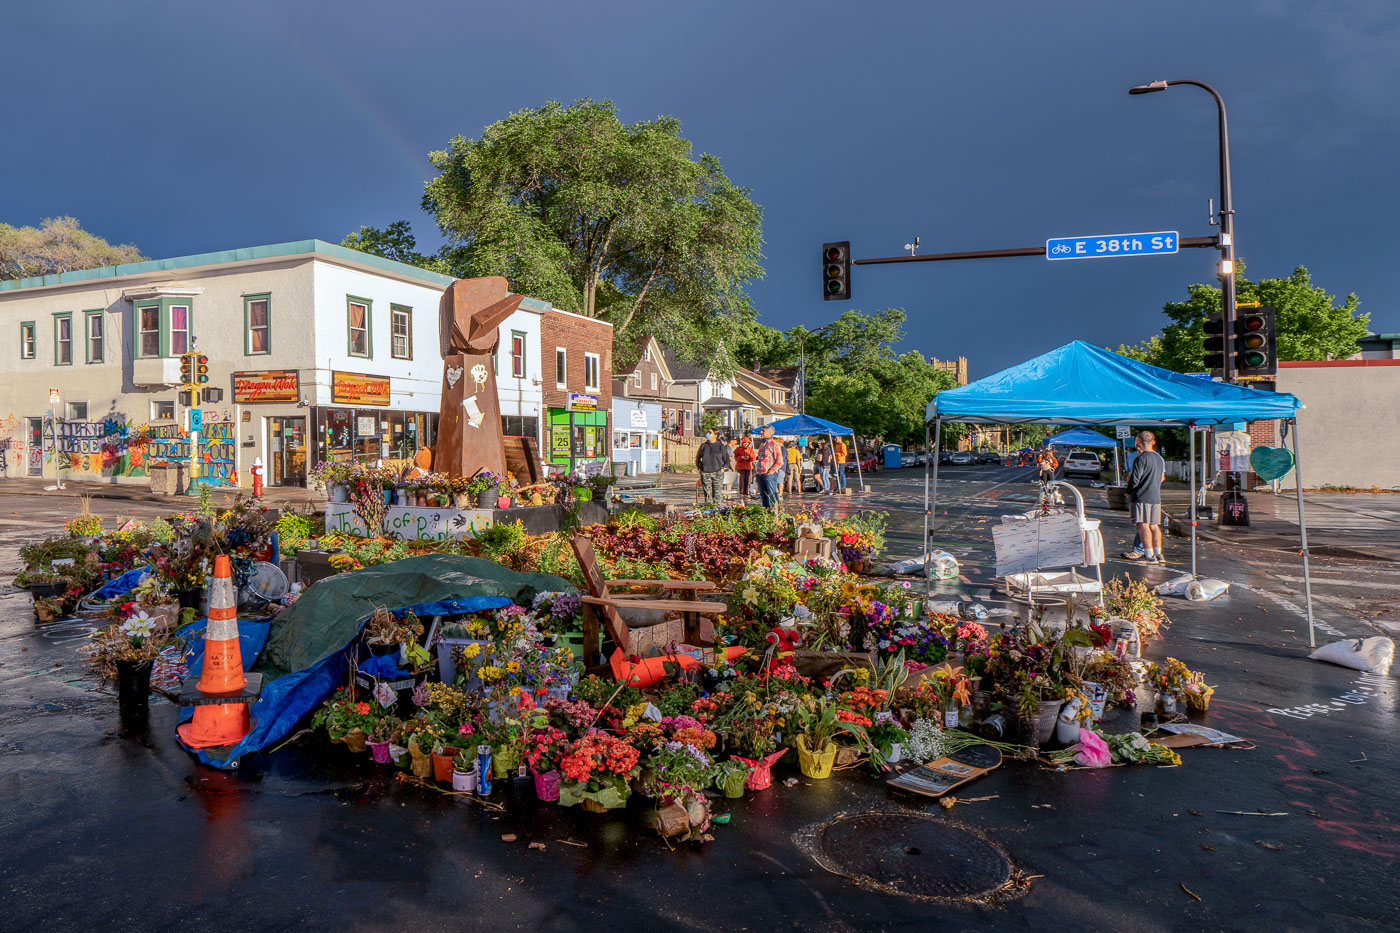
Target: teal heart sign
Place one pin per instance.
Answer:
(1271, 463)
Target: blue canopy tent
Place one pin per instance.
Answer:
(1081, 384)
(1083, 437)
(807, 425)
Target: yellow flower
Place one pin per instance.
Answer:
(472, 650)
(513, 667)
(750, 595)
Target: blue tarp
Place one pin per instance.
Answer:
(802, 425)
(1079, 437)
(1083, 384)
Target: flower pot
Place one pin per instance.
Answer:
(47, 590)
(338, 493)
(896, 754)
(1098, 698)
(441, 501)
(734, 783)
(382, 648)
(134, 684)
(379, 751)
(400, 497)
(1166, 704)
(815, 764)
(355, 740)
(503, 502)
(460, 500)
(464, 781)
(442, 765)
(422, 761)
(388, 496)
(189, 597)
(547, 786)
(1045, 720)
(760, 775)
(398, 754)
(504, 762)
(486, 499)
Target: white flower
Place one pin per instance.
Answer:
(750, 595)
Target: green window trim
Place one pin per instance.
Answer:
(28, 340)
(62, 316)
(247, 323)
(407, 312)
(162, 306)
(369, 327)
(87, 336)
(524, 352)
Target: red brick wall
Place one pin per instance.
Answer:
(577, 335)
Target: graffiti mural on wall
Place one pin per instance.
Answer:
(114, 448)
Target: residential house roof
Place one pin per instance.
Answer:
(683, 370)
(785, 376)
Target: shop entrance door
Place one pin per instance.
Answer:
(288, 455)
(36, 446)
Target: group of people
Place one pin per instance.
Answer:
(774, 466)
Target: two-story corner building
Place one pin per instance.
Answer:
(641, 406)
(577, 391)
(315, 352)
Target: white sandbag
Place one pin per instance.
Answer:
(1201, 590)
(1372, 655)
(1175, 587)
(943, 565)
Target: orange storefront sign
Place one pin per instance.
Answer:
(359, 389)
(273, 385)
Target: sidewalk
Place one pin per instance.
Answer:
(1364, 526)
(278, 496)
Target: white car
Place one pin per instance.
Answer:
(1082, 463)
(963, 458)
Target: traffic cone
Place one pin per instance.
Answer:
(220, 698)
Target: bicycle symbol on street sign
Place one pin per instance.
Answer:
(1157, 243)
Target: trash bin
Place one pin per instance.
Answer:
(893, 457)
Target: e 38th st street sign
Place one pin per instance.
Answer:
(1158, 243)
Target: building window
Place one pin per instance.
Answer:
(93, 327)
(646, 354)
(358, 325)
(148, 331)
(520, 426)
(27, 341)
(653, 382)
(561, 368)
(400, 332)
(257, 324)
(179, 330)
(62, 339)
(637, 380)
(590, 372)
(77, 411)
(517, 354)
(163, 411)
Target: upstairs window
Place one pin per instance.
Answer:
(148, 331)
(637, 380)
(561, 367)
(257, 325)
(590, 371)
(517, 354)
(27, 341)
(63, 339)
(179, 330)
(358, 317)
(400, 332)
(94, 327)
(653, 382)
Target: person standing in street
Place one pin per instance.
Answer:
(744, 456)
(838, 462)
(769, 464)
(712, 460)
(1047, 463)
(1145, 495)
(794, 469)
(821, 462)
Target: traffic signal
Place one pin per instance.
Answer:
(1256, 344)
(186, 398)
(836, 271)
(201, 369)
(211, 395)
(186, 369)
(1215, 344)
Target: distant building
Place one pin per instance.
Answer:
(957, 367)
(1379, 347)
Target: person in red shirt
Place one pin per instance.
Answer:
(771, 459)
(744, 456)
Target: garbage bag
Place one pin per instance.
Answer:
(1202, 590)
(1372, 655)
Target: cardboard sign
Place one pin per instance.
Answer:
(271, 385)
(942, 775)
(359, 389)
(1039, 544)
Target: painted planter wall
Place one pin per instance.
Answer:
(411, 522)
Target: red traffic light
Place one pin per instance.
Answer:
(835, 254)
(1252, 322)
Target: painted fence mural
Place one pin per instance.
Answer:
(112, 448)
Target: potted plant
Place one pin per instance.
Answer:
(545, 747)
(379, 737)
(730, 777)
(345, 719)
(483, 487)
(334, 477)
(127, 651)
(597, 770)
(816, 752)
(464, 771)
(1170, 679)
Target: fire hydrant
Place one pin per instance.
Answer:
(257, 472)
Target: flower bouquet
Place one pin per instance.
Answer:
(597, 770)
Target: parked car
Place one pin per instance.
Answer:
(988, 456)
(945, 456)
(1082, 463)
(962, 458)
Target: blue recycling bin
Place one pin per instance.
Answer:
(893, 457)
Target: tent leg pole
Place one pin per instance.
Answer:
(1117, 472)
(855, 446)
(927, 568)
(1191, 468)
(1303, 536)
(933, 504)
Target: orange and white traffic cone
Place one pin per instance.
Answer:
(221, 697)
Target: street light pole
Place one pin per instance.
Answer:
(1227, 216)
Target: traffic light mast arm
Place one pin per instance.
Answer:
(1208, 242)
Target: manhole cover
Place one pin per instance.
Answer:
(912, 854)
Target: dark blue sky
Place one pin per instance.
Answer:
(185, 127)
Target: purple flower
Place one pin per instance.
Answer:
(422, 696)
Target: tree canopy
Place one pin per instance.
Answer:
(609, 220)
(398, 243)
(1310, 324)
(854, 375)
(58, 244)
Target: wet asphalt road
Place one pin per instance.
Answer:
(108, 829)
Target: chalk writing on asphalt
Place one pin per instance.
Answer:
(1363, 689)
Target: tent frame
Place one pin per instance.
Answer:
(931, 486)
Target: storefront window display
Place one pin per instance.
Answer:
(369, 434)
(577, 437)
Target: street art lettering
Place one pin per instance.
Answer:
(412, 523)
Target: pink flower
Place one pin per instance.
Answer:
(1093, 750)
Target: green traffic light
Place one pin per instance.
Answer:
(1253, 359)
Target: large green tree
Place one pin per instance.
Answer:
(1311, 324)
(398, 243)
(58, 244)
(606, 219)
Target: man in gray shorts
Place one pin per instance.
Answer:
(1145, 491)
